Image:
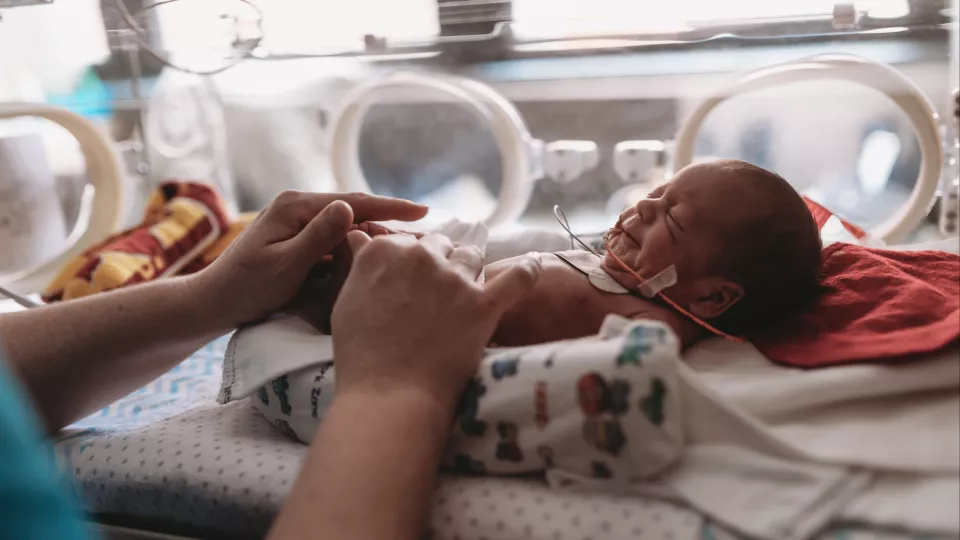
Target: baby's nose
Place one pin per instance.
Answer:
(646, 210)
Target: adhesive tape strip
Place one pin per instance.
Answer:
(512, 138)
(666, 278)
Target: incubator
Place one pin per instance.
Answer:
(850, 101)
(494, 112)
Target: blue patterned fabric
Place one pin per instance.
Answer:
(175, 391)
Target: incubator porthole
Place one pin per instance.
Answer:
(864, 167)
(448, 142)
(434, 151)
(60, 190)
(43, 182)
(814, 145)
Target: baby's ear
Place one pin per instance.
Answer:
(714, 296)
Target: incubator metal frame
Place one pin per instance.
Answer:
(522, 154)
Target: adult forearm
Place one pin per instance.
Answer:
(78, 356)
(371, 471)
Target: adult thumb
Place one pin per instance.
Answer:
(323, 233)
(357, 240)
(511, 285)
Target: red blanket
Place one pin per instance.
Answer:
(877, 305)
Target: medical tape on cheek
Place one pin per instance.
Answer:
(666, 278)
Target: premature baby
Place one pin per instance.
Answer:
(744, 246)
(745, 251)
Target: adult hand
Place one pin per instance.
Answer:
(411, 315)
(315, 301)
(264, 268)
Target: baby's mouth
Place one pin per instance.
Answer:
(620, 228)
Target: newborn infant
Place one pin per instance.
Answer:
(744, 246)
(744, 250)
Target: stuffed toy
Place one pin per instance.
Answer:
(184, 229)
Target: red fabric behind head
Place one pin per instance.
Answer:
(877, 305)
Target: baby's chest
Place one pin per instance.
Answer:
(574, 294)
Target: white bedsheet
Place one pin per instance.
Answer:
(226, 468)
(901, 418)
(868, 415)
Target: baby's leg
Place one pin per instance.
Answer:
(606, 407)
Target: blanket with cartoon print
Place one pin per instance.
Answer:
(604, 407)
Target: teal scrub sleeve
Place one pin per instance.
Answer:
(33, 505)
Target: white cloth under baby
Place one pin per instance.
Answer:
(900, 419)
(590, 417)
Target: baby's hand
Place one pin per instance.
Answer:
(375, 229)
(315, 301)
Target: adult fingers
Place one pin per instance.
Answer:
(387, 248)
(342, 262)
(365, 207)
(502, 292)
(438, 245)
(357, 240)
(322, 233)
(467, 261)
(373, 207)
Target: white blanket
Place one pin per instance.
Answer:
(870, 415)
(900, 419)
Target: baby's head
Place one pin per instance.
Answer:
(745, 247)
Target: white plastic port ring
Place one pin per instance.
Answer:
(99, 214)
(855, 69)
(520, 153)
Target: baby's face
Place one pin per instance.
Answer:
(682, 223)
